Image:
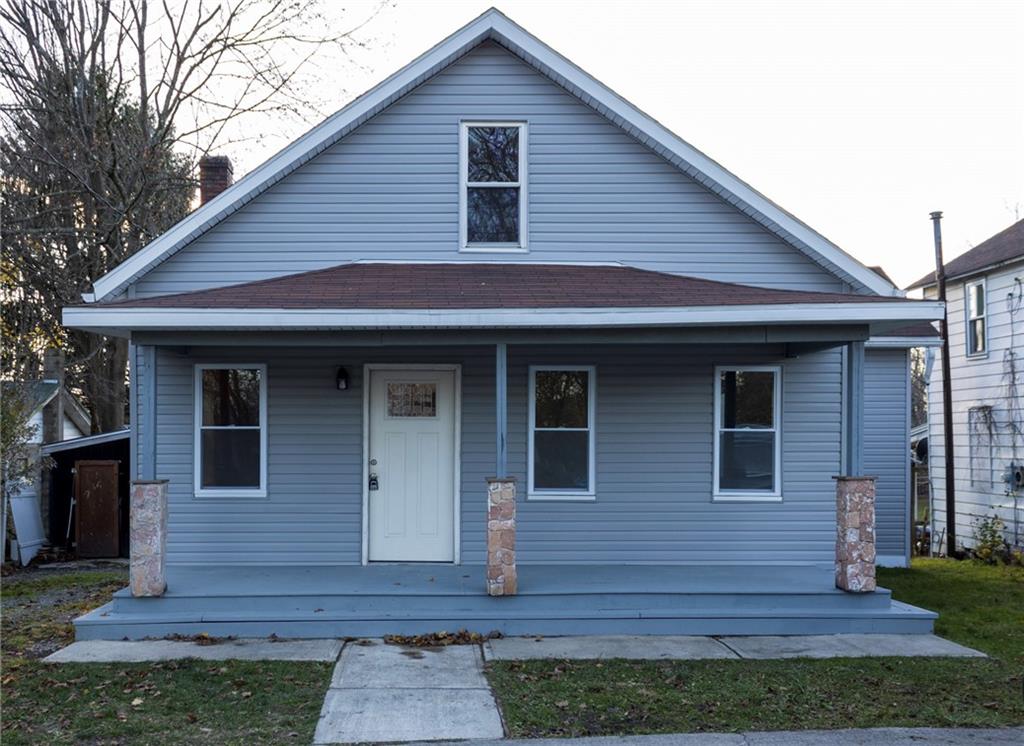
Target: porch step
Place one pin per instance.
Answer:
(896, 618)
(470, 604)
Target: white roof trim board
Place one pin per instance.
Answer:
(86, 440)
(116, 319)
(493, 25)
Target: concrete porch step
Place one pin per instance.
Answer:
(897, 618)
(172, 602)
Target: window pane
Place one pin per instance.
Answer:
(561, 398)
(492, 215)
(747, 398)
(976, 302)
(412, 400)
(976, 330)
(560, 460)
(493, 154)
(231, 458)
(231, 396)
(746, 461)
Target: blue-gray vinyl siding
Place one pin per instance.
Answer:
(887, 445)
(654, 459)
(389, 190)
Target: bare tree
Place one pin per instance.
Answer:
(106, 105)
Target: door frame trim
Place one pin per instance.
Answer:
(456, 370)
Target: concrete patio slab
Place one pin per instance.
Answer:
(376, 665)
(388, 715)
(847, 646)
(636, 647)
(255, 649)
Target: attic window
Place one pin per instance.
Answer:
(492, 175)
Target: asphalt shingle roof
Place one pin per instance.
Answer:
(1003, 247)
(486, 285)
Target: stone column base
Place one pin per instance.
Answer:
(855, 534)
(501, 536)
(148, 537)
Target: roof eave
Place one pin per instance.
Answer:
(122, 320)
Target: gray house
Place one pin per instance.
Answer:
(492, 348)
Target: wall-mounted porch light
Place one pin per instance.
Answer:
(342, 379)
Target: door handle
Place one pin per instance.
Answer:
(374, 483)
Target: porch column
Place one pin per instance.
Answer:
(148, 537)
(855, 493)
(855, 534)
(501, 493)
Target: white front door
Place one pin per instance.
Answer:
(411, 468)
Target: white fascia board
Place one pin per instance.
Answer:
(902, 342)
(164, 319)
(491, 24)
(86, 440)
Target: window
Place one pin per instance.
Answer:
(561, 433)
(747, 448)
(412, 400)
(231, 430)
(492, 178)
(977, 339)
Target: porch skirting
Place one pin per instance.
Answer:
(374, 600)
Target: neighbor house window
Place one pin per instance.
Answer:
(231, 430)
(492, 186)
(977, 338)
(561, 432)
(747, 432)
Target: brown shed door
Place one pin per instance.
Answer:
(96, 508)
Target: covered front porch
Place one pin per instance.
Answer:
(306, 601)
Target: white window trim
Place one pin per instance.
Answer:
(197, 432)
(968, 318)
(725, 495)
(522, 246)
(548, 494)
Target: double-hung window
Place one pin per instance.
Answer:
(977, 337)
(492, 197)
(561, 432)
(231, 430)
(747, 445)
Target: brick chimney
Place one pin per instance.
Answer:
(53, 413)
(215, 175)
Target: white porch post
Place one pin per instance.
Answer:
(501, 493)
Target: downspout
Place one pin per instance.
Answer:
(947, 392)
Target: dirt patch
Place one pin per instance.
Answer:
(39, 603)
(441, 639)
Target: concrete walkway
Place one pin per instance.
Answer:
(852, 737)
(667, 647)
(140, 651)
(385, 693)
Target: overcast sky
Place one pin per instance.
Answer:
(858, 117)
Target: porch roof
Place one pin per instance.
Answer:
(490, 294)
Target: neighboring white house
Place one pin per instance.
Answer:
(987, 369)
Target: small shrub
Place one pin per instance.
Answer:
(989, 545)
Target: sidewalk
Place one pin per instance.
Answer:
(853, 737)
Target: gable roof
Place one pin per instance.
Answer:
(493, 25)
(1005, 246)
(41, 392)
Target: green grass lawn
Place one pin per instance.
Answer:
(979, 606)
(179, 702)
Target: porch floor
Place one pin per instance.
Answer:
(338, 601)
